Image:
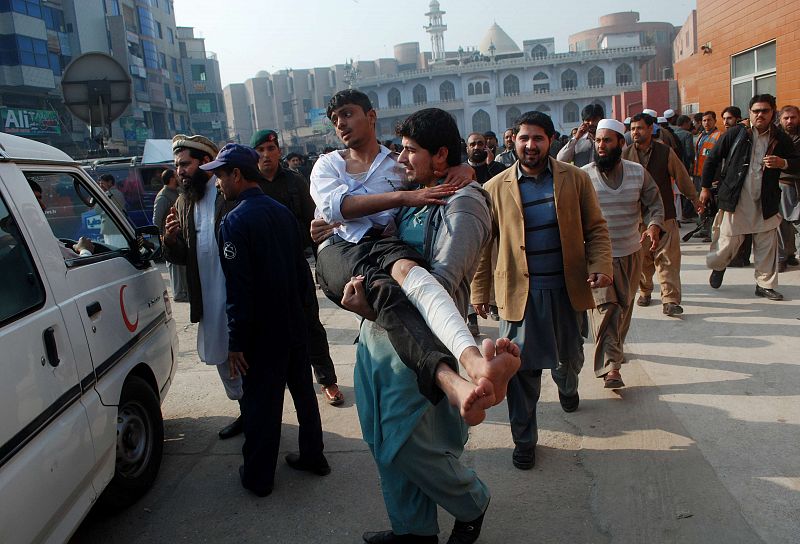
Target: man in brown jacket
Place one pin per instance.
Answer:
(553, 247)
(663, 164)
(190, 239)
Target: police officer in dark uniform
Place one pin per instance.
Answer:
(265, 275)
(292, 190)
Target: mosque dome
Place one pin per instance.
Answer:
(262, 73)
(503, 44)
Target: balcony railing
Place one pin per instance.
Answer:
(555, 58)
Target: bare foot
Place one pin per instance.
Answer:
(471, 400)
(500, 362)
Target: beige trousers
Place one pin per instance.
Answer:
(666, 260)
(611, 318)
(765, 253)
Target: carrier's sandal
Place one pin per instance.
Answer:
(333, 395)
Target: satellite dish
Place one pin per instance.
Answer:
(97, 90)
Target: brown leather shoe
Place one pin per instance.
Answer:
(644, 300)
(613, 380)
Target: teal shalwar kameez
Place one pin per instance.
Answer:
(417, 445)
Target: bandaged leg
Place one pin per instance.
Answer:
(438, 310)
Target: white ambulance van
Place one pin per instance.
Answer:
(87, 347)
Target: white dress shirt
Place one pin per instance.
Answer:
(331, 183)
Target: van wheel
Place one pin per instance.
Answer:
(140, 443)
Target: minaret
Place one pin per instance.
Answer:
(436, 29)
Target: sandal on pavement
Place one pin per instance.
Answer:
(332, 394)
(613, 380)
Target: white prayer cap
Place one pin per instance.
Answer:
(612, 124)
(669, 114)
(627, 121)
(662, 120)
(651, 113)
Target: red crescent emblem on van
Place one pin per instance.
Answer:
(130, 326)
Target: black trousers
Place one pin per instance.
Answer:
(262, 411)
(318, 351)
(418, 348)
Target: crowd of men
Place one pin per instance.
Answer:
(552, 236)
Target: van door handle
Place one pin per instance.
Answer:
(50, 346)
(93, 309)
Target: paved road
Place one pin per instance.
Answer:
(700, 447)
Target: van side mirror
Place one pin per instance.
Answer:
(148, 242)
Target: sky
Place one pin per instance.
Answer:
(253, 35)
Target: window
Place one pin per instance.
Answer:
(159, 31)
(69, 216)
(570, 112)
(569, 80)
(21, 289)
(27, 7)
(168, 91)
(471, 89)
(447, 91)
(306, 105)
(485, 87)
(170, 35)
(162, 61)
(174, 63)
(511, 115)
(198, 72)
(541, 83)
(139, 84)
(53, 19)
(178, 94)
(394, 98)
(753, 72)
(150, 54)
(287, 108)
(202, 103)
(539, 52)
(481, 122)
(597, 78)
(510, 85)
(624, 74)
(32, 52)
(373, 99)
(544, 108)
(147, 26)
(420, 94)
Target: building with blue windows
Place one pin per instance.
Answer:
(38, 39)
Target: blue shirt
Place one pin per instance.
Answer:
(266, 275)
(542, 236)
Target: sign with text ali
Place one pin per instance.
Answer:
(25, 122)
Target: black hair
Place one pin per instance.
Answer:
(648, 119)
(348, 96)
(193, 153)
(35, 187)
(537, 119)
(698, 117)
(734, 110)
(292, 155)
(167, 175)
(712, 113)
(250, 173)
(592, 111)
(682, 119)
(109, 178)
(768, 98)
(433, 129)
